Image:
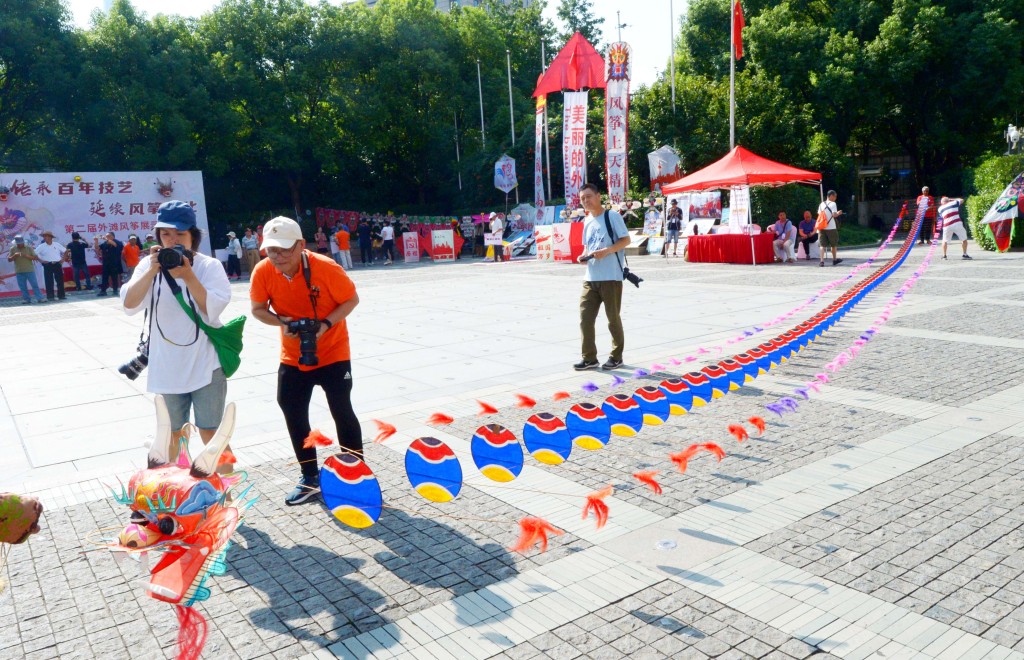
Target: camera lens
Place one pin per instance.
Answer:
(169, 258)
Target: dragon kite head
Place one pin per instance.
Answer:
(183, 510)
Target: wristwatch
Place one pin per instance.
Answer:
(329, 324)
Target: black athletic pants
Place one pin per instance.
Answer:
(294, 391)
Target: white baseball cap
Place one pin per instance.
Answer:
(281, 232)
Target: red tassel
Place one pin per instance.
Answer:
(758, 423)
(646, 477)
(439, 419)
(558, 396)
(739, 432)
(680, 460)
(316, 439)
(191, 633)
(534, 530)
(227, 457)
(486, 408)
(711, 447)
(595, 503)
(385, 430)
(525, 401)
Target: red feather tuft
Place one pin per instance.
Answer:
(558, 396)
(534, 530)
(738, 432)
(647, 477)
(191, 633)
(439, 419)
(227, 457)
(714, 449)
(595, 503)
(680, 460)
(316, 439)
(523, 401)
(486, 408)
(758, 423)
(384, 429)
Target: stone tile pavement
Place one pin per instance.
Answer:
(882, 520)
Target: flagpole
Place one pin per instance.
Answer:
(732, 78)
(458, 160)
(671, 51)
(480, 89)
(511, 114)
(547, 147)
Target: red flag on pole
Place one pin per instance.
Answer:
(737, 27)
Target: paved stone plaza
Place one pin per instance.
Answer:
(883, 519)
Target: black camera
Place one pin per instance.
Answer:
(169, 258)
(306, 329)
(132, 368)
(633, 278)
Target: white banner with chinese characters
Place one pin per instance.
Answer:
(411, 246)
(618, 66)
(538, 160)
(739, 208)
(505, 174)
(574, 145)
(90, 203)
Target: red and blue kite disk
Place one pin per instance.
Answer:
(653, 404)
(679, 397)
(719, 380)
(700, 387)
(588, 426)
(351, 491)
(496, 452)
(749, 366)
(547, 439)
(433, 470)
(733, 371)
(624, 414)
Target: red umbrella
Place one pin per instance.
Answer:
(578, 65)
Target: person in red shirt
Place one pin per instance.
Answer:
(928, 226)
(343, 239)
(292, 285)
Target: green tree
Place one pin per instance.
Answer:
(578, 16)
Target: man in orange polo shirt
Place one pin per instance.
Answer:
(344, 240)
(295, 285)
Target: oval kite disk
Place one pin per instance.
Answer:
(547, 439)
(433, 469)
(679, 397)
(624, 414)
(588, 426)
(734, 371)
(496, 452)
(700, 387)
(719, 380)
(351, 491)
(653, 404)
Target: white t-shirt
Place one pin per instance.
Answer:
(52, 252)
(181, 369)
(830, 212)
(496, 225)
(387, 233)
(235, 247)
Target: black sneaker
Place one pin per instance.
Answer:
(612, 363)
(944, 257)
(305, 490)
(836, 262)
(968, 257)
(821, 264)
(583, 365)
(101, 294)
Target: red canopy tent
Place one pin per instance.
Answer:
(741, 167)
(578, 65)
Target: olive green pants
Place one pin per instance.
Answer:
(595, 294)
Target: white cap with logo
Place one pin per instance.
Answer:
(281, 232)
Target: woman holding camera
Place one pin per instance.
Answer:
(184, 367)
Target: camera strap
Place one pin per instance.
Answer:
(314, 292)
(614, 238)
(175, 289)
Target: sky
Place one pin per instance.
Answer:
(647, 23)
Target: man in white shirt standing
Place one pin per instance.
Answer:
(387, 236)
(51, 256)
(829, 234)
(603, 284)
(497, 226)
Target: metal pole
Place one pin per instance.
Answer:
(511, 115)
(458, 159)
(547, 147)
(480, 88)
(732, 78)
(618, 24)
(672, 51)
